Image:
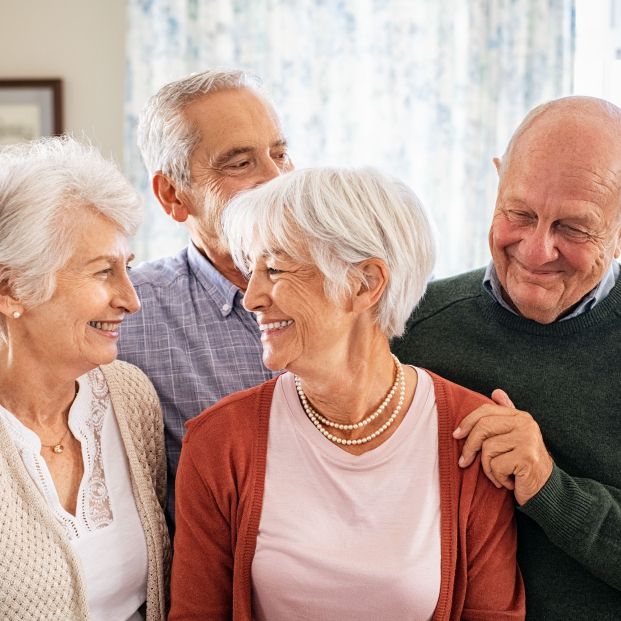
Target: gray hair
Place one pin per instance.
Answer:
(336, 218)
(44, 186)
(165, 138)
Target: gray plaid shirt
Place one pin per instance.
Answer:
(193, 339)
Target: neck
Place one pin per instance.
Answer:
(36, 395)
(365, 374)
(221, 260)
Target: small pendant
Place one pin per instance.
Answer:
(58, 449)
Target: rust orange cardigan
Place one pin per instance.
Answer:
(220, 485)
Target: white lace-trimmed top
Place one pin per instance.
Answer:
(106, 532)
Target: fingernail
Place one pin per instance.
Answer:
(462, 461)
(457, 432)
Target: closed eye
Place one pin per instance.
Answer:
(239, 165)
(573, 232)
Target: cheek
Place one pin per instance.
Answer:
(504, 233)
(228, 187)
(586, 257)
(499, 238)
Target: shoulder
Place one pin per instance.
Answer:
(447, 292)
(160, 273)
(237, 416)
(455, 401)
(126, 381)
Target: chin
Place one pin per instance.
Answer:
(539, 313)
(104, 359)
(274, 364)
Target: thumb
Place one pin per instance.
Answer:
(502, 398)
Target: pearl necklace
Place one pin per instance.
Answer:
(317, 419)
(330, 423)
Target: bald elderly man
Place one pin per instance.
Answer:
(543, 323)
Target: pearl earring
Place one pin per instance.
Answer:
(16, 314)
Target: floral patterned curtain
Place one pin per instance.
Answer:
(428, 90)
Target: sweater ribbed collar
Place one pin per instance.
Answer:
(606, 309)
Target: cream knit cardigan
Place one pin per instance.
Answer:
(40, 576)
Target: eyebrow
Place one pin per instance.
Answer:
(235, 151)
(110, 258)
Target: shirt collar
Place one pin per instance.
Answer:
(491, 283)
(222, 290)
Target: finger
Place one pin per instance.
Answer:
(503, 468)
(502, 398)
(485, 429)
(486, 464)
(468, 422)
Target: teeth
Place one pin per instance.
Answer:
(277, 325)
(103, 325)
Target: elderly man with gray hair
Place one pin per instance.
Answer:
(543, 322)
(203, 139)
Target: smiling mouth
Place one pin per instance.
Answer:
(105, 326)
(276, 325)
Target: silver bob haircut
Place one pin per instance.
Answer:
(165, 138)
(335, 218)
(44, 187)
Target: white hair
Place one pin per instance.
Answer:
(335, 218)
(44, 187)
(165, 137)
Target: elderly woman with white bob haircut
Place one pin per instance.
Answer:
(333, 491)
(82, 468)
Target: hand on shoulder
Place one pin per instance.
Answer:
(513, 453)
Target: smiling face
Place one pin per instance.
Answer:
(78, 328)
(556, 225)
(302, 330)
(241, 146)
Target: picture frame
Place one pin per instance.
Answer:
(30, 109)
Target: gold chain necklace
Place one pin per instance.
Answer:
(57, 448)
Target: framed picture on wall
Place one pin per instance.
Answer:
(30, 109)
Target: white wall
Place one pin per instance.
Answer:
(80, 41)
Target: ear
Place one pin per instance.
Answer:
(8, 304)
(497, 163)
(369, 293)
(172, 200)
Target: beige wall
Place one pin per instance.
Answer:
(80, 41)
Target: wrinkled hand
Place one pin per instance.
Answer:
(513, 454)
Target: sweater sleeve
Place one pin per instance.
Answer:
(583, 518)
(202, 572)
(495, 591)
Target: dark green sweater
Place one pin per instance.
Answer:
(568, 376)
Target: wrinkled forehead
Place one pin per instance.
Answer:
(574, 162)
(234, 118)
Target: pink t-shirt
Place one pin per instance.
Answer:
(345, 537)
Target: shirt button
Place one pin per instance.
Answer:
(226, 308)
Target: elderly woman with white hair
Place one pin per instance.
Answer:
(82, 467)
(333, 491)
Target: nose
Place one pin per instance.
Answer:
(256, 297)
(269, 169)
(538, 245)
(126, 297)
